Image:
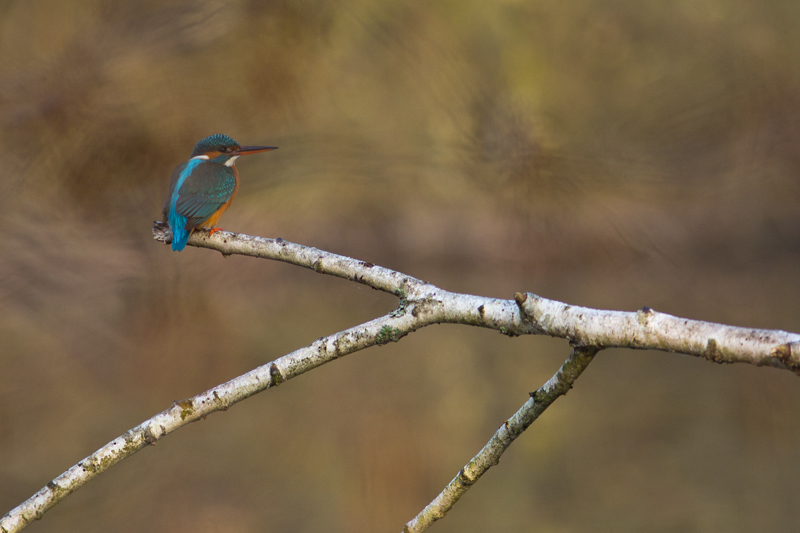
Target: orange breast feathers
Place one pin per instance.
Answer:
(211, 222)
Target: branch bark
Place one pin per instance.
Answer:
(512, 428)
(421, 304)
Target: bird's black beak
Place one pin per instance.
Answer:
(244, 150)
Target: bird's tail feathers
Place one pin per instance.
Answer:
(180, 234)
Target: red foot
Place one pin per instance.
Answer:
(212, 231)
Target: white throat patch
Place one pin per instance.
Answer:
(231, 161)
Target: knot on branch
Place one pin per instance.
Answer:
(644, 314)
(789, 355)
(161, 232)
(529, 310)
(521, 298)
(275, 376)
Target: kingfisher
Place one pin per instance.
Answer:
(203, 187)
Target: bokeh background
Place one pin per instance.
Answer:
(611, 154)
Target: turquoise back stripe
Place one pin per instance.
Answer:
(177, 222)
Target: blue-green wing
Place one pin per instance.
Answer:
(203, 192)
(172, 183)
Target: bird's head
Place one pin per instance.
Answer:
(223, 149)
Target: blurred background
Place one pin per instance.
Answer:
(610, 154)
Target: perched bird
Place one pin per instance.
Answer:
(203, 187)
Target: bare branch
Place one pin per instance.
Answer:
(512, 428)
(340, 266)
(647, 329)
(421, 304)
(379, 331)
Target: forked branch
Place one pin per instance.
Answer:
(422, 304)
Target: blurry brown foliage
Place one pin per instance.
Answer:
(609, 154)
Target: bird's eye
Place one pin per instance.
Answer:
(223, 149)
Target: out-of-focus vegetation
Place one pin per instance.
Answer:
(612, 154)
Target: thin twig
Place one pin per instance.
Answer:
(379, 331)
(512, 428)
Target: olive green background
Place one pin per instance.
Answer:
(612, 154)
